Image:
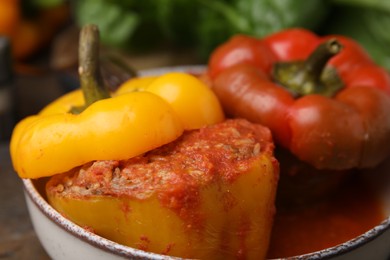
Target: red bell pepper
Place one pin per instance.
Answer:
(322, 97)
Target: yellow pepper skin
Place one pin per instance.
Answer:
(208, 195)
(55, 141)
(64, 103)
(189, 97)
(147, 225)
(192, 100)
(109, 129)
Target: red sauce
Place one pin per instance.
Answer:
(351, 211)
(176, 173)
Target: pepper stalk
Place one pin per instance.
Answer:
(311, 76)
(91, 79)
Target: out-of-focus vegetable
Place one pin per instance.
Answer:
(29, 25)
(117, 21)
(47, 3)
(200, 23)
(9, 17)
(205, 24)
(331, 110)
(222, 19)
(365, 21)
(32, 34)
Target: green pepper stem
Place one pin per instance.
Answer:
(91, 80)
(311, 76)
(315, 64)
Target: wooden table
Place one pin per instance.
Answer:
(17, 236)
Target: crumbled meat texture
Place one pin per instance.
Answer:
(215, 153)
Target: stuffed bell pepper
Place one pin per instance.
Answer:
(154, 165)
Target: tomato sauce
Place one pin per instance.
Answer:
(349, 212)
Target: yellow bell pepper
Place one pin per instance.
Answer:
(129, 123)
(64, 103)
(111, 129)
(192, 100)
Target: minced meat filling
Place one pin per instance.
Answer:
(218, 152)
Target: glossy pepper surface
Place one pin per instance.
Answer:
(190, 98)
(193, 101)
(115, 128)
(207, 195)
(323, 97)
(105, 128)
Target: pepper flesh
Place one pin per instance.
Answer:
(154, 228)
(345, 131)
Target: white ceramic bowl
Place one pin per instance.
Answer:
(63, 239)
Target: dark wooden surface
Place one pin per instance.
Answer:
(17, 237)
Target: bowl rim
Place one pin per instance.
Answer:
(126, 251)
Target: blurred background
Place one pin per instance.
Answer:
(43, 36)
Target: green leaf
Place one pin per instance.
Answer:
(382, 5)
(116, 25)
(220, 19)
(47, 3)
(177, 20)
(367, 26)
(269, 16)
